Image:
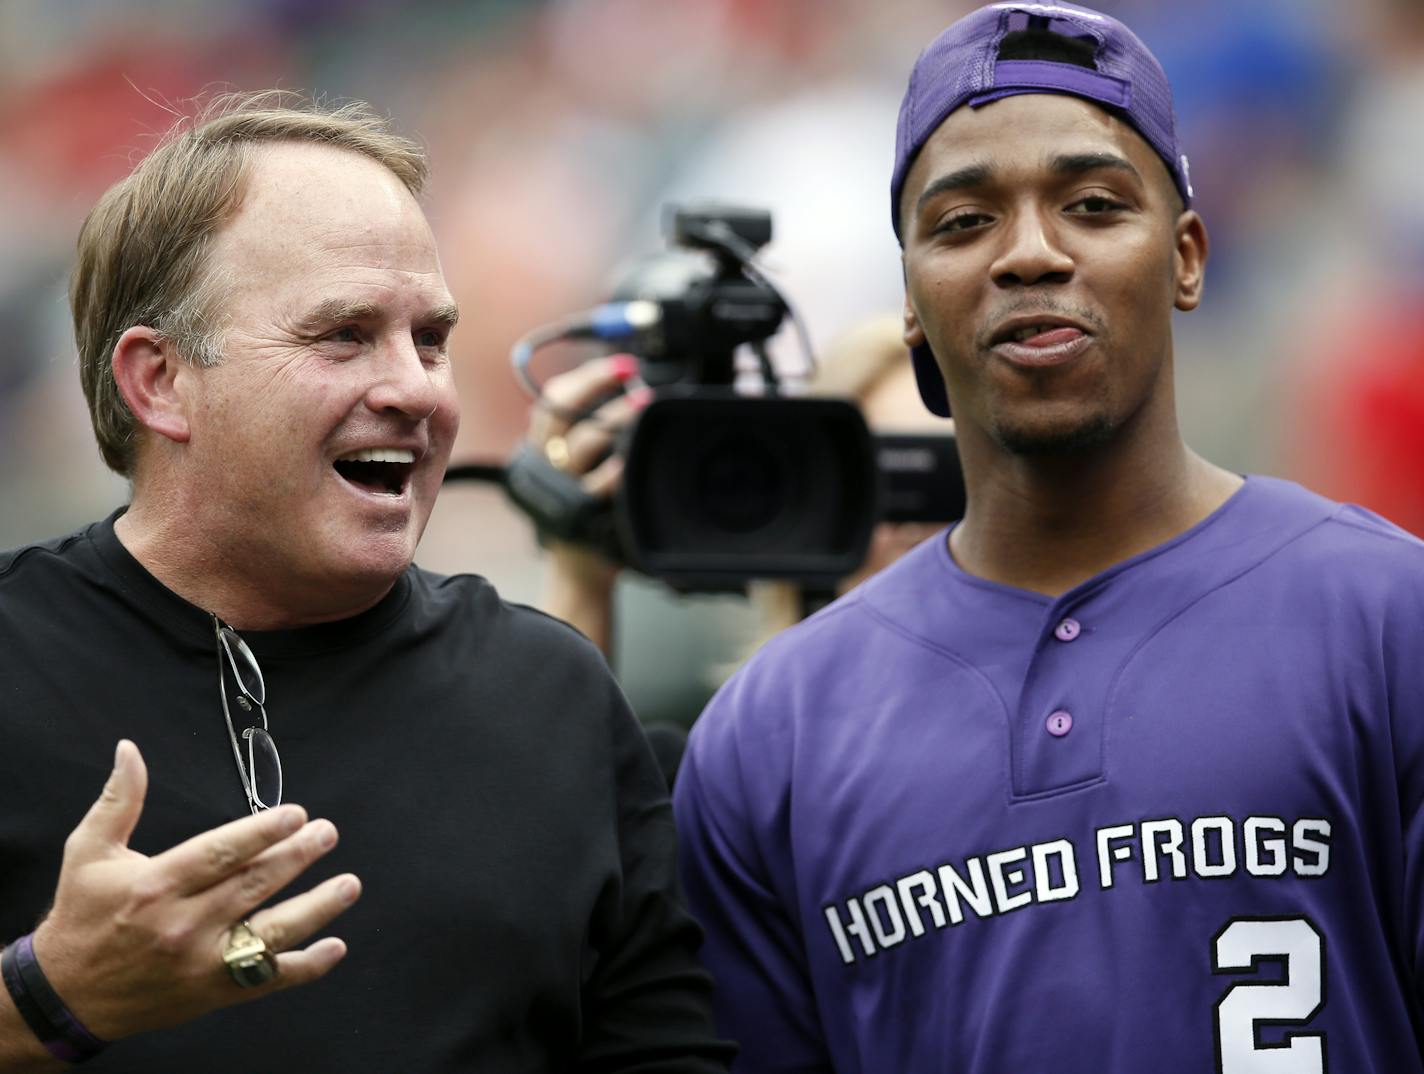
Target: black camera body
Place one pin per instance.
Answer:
(720, 488)
(709, 303)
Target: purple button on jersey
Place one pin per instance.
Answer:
(1067, 630)
(1060, 723)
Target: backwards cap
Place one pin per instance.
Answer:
(962, 66)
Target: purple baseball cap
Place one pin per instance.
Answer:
(963, 66)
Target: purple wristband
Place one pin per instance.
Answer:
(62, 1034)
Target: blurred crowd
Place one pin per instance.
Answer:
(559, 129)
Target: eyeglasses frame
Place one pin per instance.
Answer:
(225, 637)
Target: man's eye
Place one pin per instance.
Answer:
(962, 222)
(345, 334)
(1095, 203)
(430, 337)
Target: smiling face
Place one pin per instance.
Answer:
(1045, 249)
(318, 444)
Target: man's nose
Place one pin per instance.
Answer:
(404, 384)
(1032, 252)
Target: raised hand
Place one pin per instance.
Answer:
(575, 432)
(135, 943)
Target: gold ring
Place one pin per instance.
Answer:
(246, 956)
(556, 450)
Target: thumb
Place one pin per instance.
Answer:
(114, 814)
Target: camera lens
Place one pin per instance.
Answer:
(740, 483)
(719, 487)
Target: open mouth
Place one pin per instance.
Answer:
(383, 471)
(1041, 335)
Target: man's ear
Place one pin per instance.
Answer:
(147, 368)
(913, 334)
(1190, 258)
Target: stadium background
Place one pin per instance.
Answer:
(559, 128)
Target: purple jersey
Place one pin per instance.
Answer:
(1169, 820)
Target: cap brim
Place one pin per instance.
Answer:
(931, 384)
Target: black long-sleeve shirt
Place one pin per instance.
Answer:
(491, 788)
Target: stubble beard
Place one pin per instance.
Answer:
(1035, 443)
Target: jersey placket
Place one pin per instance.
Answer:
(1059, 723)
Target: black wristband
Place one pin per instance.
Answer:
(62, 1034)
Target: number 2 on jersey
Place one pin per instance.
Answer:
(1291, 999)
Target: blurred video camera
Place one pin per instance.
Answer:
(720, 487)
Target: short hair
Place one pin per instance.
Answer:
(1042, 44)
(144, 250)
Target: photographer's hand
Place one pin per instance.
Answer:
(576, 435)
(135, 943)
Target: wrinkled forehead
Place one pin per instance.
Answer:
(308, 201)
(314, 216)
(299, 191)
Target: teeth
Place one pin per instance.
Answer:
(1026, 333)
(380, 455)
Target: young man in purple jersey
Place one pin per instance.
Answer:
(1125, 770)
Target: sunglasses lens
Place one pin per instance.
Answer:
(264, 767)
(244, 666)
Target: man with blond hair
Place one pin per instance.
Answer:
(264, 339)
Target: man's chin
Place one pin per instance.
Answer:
(368, 560)
(383, 561)
(1055, 440)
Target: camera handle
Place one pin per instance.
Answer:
(560, 507)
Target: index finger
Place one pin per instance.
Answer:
(198, 863)
(578, 389)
